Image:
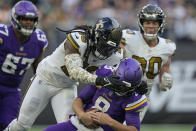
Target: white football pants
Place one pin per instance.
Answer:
(38, 96)
(143, 113)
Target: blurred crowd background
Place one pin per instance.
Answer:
(180, 27)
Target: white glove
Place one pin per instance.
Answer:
(166, 81)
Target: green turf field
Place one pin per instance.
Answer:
(145, 127)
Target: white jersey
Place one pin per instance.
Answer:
(151, 58)
(50, 68)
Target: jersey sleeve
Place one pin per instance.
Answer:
(133, 119)
(169, 47)
(172, 48)
(41, 38)
(134, 105)
(78, 41)
(137, 103)
(129, 38)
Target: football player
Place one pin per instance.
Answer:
(152, 51)
(21, 45)
(106, 110)
(84, 49)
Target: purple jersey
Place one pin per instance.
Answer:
(119, 108)
(16, 57)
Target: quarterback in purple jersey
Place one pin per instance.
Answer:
(21, 45)
(109, 108)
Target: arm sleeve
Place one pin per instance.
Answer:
(133, 119)
(74, 66)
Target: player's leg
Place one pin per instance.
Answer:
(62, 104)
(65, 126)
(9, 105)
(34, 102)
(143, 113)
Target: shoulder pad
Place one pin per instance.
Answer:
(171, 45)
(41, 37)
(105, 70)
(168, 41)
(138, 102)
(127, 33)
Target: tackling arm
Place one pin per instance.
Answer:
(165, 78)
(74, 65)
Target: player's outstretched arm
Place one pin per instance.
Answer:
(105, 119)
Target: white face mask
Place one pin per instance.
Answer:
(150, 36)
(26, 32)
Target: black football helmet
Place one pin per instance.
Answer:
(151, 13)
(107, 33)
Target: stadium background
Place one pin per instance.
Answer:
(173, 110)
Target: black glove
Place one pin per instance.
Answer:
(142, 88)
(110, 82)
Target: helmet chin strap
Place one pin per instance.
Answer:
(149, 36)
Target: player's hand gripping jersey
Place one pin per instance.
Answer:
(151, 58)
(16, 58)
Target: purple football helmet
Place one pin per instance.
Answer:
(24, 10)
(130, 71)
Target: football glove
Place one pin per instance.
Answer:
(110, 82)
(166, 82)
(142, 88)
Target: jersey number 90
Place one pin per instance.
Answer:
(154, 61)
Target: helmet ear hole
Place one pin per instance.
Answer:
(108, 34)
(24, 10)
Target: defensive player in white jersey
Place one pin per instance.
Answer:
(84, 49)
(153, 52)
